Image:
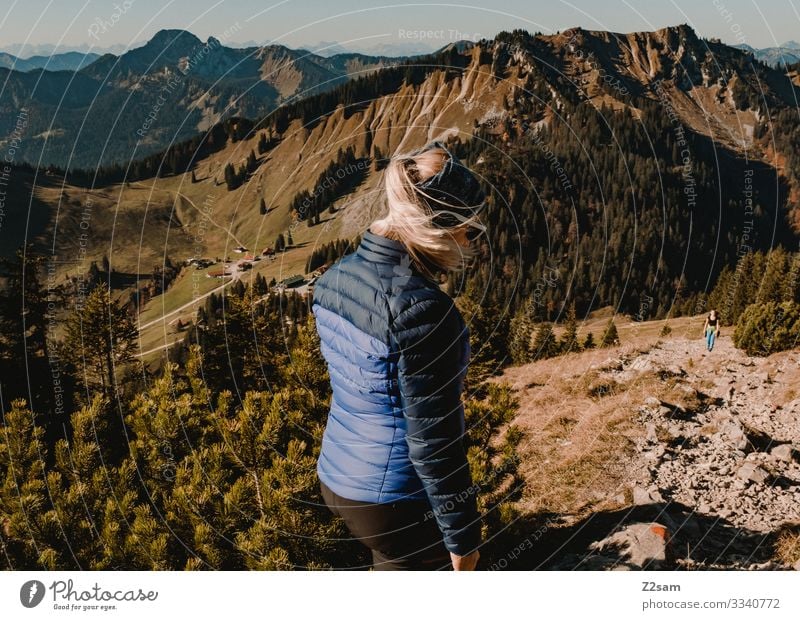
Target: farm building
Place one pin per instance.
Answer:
(293, 280)
(222, 273)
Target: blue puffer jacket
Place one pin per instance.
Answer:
(397, 351)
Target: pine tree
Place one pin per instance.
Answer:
(569, 339)
(494, 461)
(767, 328)
(772, 284)
(255, 334)
(791, 286)
(488, 334)
(100, 339)
(286, 524)
(745, 280)
(610, 336)
(589, 343)
(29, 535)
(520, 332)
(544, 343)
(259, 285)
(231, 178)
(307, 367)
(26, 347)
(83, 485)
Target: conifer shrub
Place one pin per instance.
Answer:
(766, 328)
(610, 335)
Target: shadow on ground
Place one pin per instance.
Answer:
(692, 541)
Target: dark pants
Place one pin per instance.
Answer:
(402, 535)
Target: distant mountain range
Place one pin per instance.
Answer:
(119, 108)
(786, 54)
(68, 61)
(86, 111)
(386, 48)
(27, 50)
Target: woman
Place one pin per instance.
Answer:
(393, 463)
(711, 329)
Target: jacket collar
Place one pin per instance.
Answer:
(380, 249)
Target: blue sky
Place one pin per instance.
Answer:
(383, 25)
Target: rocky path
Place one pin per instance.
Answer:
(715, 480)
(734, 457)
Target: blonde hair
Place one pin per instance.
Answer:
(410, 217)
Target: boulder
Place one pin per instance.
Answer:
(785, 452)
(641, 363)
(638, 546)
(642, 496)
(758, 439)
(753, 473)
(734, 435)
(652, 401)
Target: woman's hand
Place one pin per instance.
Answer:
(465, 562)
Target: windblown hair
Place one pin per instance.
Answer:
(410, 216)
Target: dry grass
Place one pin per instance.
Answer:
(707, 430)
(578, 441)
(787, 545)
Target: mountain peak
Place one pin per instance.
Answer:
(167, 37)
(681, 32)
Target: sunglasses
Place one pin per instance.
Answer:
(455, 188)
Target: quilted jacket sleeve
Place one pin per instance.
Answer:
(430, 335)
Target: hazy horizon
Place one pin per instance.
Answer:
(42, 27)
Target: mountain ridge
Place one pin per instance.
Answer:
(206, 81)
(498, 104)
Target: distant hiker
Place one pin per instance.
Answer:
(711, 329)
(393, 463)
